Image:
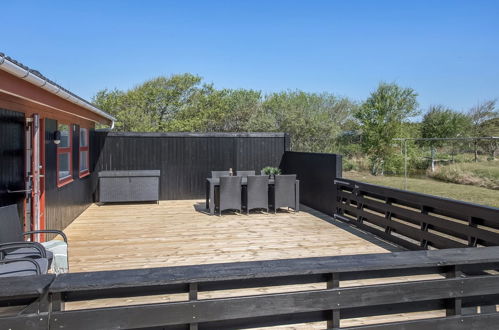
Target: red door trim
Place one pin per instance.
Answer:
(35, 154)
(42, 178)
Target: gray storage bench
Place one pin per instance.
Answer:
(129, 186)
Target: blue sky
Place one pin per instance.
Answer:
(448, 51)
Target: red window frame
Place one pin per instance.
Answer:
(66, 150)
(84, 172)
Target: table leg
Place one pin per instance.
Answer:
(212, 199)
(207, 194)
(297, 195)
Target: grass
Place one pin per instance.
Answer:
(478, 195)
(482, 174)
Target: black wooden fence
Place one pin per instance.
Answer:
(414, 220)
(464, 284)
(186, 159)
(316, 172)
(461, 283)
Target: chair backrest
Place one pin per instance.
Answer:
(285, 189)
(217, 174)
(230, 189)
(257, 192)
(10, 224)
(258, 183)
(245, 173)
(285, 181)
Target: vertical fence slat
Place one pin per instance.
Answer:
(455, 304)
(193, 296)
(334, 320)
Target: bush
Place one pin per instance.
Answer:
(394, 164)
(359, 164)
(484, 174)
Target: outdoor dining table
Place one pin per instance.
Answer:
(211, 183)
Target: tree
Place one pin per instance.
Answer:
(381, 117)
(214, 110)
(441, 122)
(112, 101)
(478, 115)
(481, 113)
(490, 128)
(185, 103)
(151, 105)
(312, 120)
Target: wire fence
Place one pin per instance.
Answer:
(458, 168)
(444, 158)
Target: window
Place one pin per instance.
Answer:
(84, 152)
(64, 151)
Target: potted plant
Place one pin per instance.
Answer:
(271, 171)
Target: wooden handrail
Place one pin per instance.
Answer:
(266, 309)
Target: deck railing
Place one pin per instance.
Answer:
(414, 220)
(462, 282)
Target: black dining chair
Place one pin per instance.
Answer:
(245, 174)
(257, 193)
(284, 193)
(217, 174)
(229, 194)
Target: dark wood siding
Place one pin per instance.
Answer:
(64, 204)
(186, 159)
(11, 156)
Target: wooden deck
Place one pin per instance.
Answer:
(174, 233)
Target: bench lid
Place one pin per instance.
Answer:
(138, 173)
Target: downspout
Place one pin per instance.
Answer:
(22, 73)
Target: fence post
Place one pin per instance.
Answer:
(472, 241)
(424, 227)
(57, 302)
(360, 203)
(388, 215)
(405, 164)
(338, 174)
(193, 296)
(455, 304)
(334, 319)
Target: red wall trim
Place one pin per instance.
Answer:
(85, 172)
(67, 150)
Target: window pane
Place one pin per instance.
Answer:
(83, 161)
(64, 165)
(64, 129)
(83, 137)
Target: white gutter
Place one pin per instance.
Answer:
(22, 73)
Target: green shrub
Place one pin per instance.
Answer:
(483, 174)
(269, 170)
